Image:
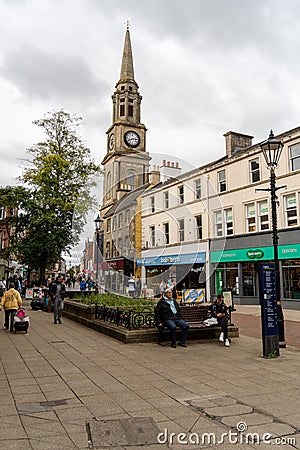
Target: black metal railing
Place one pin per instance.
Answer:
(129, 319)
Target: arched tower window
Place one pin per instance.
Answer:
(131, 179)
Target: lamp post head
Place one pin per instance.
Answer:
(97, 221)
(272, 149)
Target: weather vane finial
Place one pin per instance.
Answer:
(127, 23)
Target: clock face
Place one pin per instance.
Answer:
(111, 142)
(131, 138)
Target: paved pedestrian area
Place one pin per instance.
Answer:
(63, 384)
(248, 319)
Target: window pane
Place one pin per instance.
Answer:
(254, 170)
(198, 227)
(295, 157)
(197, 189)
(166, 200)
(181, 229)
(229, 221)
(291, 210)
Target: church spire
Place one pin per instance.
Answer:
(127, 73)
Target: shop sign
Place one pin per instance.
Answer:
(185, 258)
(169, 259)
(288, 251)
(219, 281)
(255, 254)
(113, 264)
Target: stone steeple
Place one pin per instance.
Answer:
(126, 163)
(127, 72)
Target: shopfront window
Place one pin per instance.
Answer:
(226, 276)
(291, 279)
(248, 280)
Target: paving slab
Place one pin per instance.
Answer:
(228, 410)
(72, 374)
(248, 419)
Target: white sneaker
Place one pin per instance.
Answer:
(227, 343)
(221, 337)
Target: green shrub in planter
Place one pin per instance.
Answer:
(111, 300)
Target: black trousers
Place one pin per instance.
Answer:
(9, 319)
(223, 323)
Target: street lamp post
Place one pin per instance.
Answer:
(272, 149)
(97, 232)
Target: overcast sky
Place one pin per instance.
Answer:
(204, 67)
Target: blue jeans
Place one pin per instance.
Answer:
(57, 310)
(172, 324)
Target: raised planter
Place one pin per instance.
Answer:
(85, 315)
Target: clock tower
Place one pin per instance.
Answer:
(126, 163)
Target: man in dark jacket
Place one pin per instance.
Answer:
(167, 313)
(222, 313)
(57, 291)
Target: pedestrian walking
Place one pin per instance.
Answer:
(57, 291)
(131, 286)
(83, 285)
(11, 301)
(138, 287)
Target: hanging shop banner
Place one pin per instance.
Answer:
(193, 295)
(219, 281)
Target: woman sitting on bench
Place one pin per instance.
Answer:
(221, 312)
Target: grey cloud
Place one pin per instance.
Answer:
(42, 75)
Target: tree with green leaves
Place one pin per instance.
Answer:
(55, 197)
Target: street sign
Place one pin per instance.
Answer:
(267, 295)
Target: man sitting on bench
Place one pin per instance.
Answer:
(167, 313)
(222, 313)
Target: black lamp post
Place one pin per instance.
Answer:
(97, 235)
(272, 149)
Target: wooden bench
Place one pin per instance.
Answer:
(195, 315)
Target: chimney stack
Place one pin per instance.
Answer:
(236, 141)
(154, 176)
(169, 170)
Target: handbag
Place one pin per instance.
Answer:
(210, 322)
